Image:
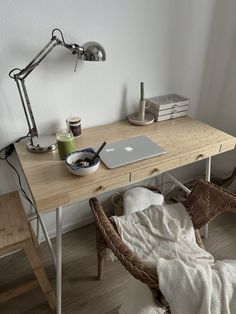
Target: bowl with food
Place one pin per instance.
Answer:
(82, 162)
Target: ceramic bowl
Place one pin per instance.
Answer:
(82, 170)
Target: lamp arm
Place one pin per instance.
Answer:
(27, 109)
(20, 76)
(37, 59)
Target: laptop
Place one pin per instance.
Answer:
(130, 150)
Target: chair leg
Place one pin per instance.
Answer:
(35, 262)
(100, 263)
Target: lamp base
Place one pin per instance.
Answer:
(42, 144)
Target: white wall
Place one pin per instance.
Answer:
(161, 42)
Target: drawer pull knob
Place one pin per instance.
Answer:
(156, 170)
(101, 188)
(200, 156)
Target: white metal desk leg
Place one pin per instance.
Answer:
(59, 257)
(208, 178)
(208, 169)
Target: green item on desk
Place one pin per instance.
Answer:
(65, 143)
(142, 91)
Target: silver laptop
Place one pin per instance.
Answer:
(127, 151)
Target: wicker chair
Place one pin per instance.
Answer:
(205, 202)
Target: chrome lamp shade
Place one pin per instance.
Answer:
(93, 51)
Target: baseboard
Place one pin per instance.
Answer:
(67, 228)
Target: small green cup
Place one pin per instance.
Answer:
(65, 143)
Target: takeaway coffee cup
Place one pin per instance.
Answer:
(74, 125)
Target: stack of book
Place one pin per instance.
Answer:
(167, 106)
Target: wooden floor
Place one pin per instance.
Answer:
(81, 292)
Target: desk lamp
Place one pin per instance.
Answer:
(90, 51)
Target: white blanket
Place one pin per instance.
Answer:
(139, 198)
(189, 278)
(199, 288)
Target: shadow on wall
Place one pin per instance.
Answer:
(218, 93)
(123, 104)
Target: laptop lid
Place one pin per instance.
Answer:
(130, 150)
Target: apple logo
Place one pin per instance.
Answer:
(110, 150)
(128, 149)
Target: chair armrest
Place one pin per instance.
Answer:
(130, 261)
(206, 201)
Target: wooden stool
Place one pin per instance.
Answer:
(15, 234)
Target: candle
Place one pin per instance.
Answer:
(142, 91)
(142, 103)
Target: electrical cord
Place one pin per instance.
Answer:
(5, 153)
(13, 70)
(19, 180)
(58, 30)
(10, 148)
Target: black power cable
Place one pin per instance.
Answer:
(8, 150)
(6, 153)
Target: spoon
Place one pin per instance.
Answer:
(98, 151)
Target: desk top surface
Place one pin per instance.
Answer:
(185, 140)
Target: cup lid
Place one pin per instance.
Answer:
(73, 119)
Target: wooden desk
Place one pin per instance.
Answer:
(52, 186)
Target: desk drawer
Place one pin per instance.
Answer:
(153, 170)
(228, 146)
(199, 155)
(100, 187)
